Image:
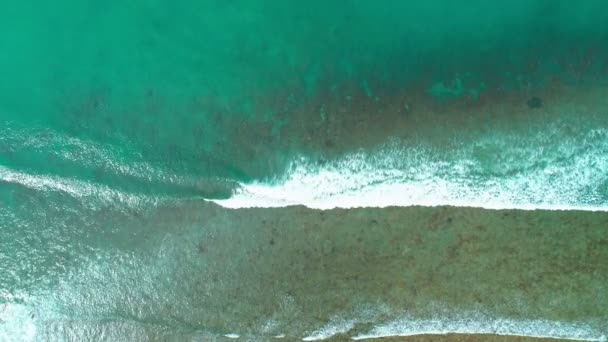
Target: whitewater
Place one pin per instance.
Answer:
(542, 171)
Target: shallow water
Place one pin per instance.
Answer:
(196, 271)
(120, 123)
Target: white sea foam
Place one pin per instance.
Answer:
(545, 171)
(336, 326)
(16, 323)
(75, 188)
(85, 155)
(459, 322)
(478, 324)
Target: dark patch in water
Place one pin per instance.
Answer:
(535, 102)
(202, 249)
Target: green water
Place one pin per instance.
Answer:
(208, 89)
(111, 111)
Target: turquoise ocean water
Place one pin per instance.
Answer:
(110, 111)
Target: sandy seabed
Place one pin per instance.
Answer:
(372, 272)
